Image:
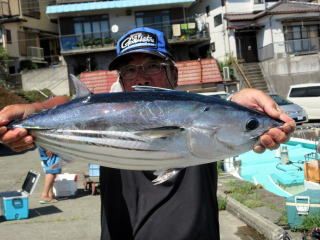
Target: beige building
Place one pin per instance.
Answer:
(27, 34)
(89, 29)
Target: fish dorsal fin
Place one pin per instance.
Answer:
(149, 88)
(80, 87)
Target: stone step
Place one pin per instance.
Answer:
(251, 67)
(257, 80)
(254, 77)
(253, 73)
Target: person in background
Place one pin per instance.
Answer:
(51, 164)
(132, 207)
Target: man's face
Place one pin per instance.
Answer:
(158, 78)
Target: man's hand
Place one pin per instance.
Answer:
(258, 100)
(18, 139)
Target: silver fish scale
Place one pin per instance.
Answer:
(118, 153)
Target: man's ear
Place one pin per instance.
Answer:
(172, 75)
(175, 76)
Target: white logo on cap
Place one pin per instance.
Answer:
(136, 38)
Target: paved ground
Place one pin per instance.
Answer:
(76, 218)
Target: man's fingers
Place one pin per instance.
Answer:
(258, 148)
(289, 127)
(14, 135)
(277, 135)
(273, 110)
(2, 130)
(22, 148)
(22, 144)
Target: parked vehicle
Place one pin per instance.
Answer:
(295, 111)
(221, 94)
(307, 96)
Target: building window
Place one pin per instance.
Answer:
(31, 8)
(217, 20)
(8, 36)
(92, 29)
(160, 20)
(302, 38)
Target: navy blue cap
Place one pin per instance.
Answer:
(141, 40)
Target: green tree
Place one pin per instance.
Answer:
(3, 57)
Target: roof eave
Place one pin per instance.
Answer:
(52, 11)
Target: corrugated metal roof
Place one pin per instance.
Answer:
(90, 6)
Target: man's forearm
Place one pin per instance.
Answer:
(50, 103)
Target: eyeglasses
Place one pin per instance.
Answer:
(130, 71)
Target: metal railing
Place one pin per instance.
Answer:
(84, 41)
(186, 32)
(241, 72)
(302, 45)
(35, 53)
(289, 47)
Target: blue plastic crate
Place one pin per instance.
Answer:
(94, 170)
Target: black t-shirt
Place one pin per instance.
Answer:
(184, 208)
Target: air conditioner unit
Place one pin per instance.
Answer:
(226, 73)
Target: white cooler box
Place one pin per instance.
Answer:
(15, 204)
(65, 185)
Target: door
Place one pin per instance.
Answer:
(247, 46)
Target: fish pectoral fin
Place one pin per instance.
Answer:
(164, 175)
(161, 132)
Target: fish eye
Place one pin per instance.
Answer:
(252, 124)
(206, 109)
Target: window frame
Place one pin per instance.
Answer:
(8, 36)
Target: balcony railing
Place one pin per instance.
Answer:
(35, 54)
(175, 33)
(302, 45)
(290, 47)
(86, 41)
(187, 31)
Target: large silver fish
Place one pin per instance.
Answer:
(147, 130)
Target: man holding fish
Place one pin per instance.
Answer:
(182, 202)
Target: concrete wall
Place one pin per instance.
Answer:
(14, 7)
(239, 6)
(283, 72)
(124, 22)
(54, 78)
(246, 6)
(13, 47)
